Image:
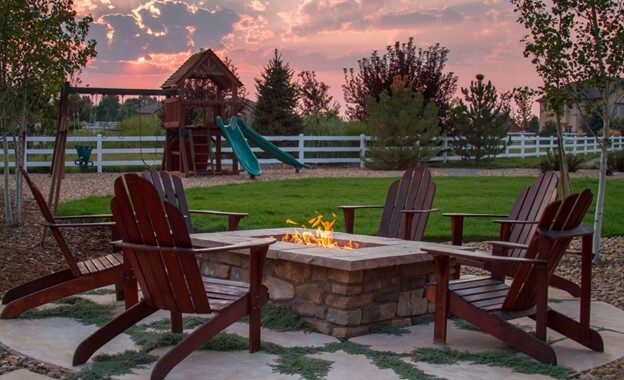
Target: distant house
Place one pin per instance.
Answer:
(572, 118)
(150, 109)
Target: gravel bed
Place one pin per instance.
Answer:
(20, 248)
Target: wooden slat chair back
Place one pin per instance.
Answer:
(529, 206)
(488, 302)
(156, 242)
(171, 188)
(80, 276)
(406, 209)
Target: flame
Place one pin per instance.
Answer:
(319, 233)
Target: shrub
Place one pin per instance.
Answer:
(551, 162)
(615, 160)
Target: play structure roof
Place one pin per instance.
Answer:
(204, 64)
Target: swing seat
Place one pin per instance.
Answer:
(84, 153)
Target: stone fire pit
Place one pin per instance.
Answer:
(338, 292)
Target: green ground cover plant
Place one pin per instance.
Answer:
(299, 199)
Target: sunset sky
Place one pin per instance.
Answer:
(141, 43)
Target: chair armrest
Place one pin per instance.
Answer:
(511, 221)
(419, 211)
(457, 223)
(74, 225)
(360, 206)
(473, 215)
(224, 213)
(349, 215)
(506, 244)
(233, 217)
(581, 230)
(480, 257)
(255, 243)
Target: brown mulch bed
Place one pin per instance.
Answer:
(23, 257)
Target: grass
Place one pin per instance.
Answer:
(298, 199)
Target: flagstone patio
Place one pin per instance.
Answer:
(53, 340)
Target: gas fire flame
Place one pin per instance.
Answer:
(319, 233)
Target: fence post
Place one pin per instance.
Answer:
(98, 140)
(445, 148)
(537, 146)
(522, 138)
(362, 151)
(301, 147)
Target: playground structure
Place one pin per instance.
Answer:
(196, 95)
(204, 88)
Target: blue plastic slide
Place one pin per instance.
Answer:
(239, 145)
(268, 146)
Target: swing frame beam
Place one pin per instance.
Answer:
(60, 142)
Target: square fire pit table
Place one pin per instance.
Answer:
(343, 293)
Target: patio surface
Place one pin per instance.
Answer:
(53, 340)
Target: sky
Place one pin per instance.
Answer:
(141, 43)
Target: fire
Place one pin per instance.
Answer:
(319, 233)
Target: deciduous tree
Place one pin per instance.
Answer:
(41, 44)
(314, 99)
(423, 68)
(523, 99)
(578, 45)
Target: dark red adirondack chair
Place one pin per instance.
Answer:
(489, 303)
(518, 227)
(156, 242)
(170, 187)
(407, 207)
(80, 276)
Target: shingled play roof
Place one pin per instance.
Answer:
(204, 64)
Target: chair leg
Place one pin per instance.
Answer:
(198, 337)
(572, 329)
(503, 330)
(61, 290)
(37, 285)
(110, 330)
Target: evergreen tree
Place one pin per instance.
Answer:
(404, 129)
(275, 112)
(482, 124)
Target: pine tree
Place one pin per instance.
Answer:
(405, 131)
(482, 124)
(275, 112)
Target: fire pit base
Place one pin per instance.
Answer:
(339, 293)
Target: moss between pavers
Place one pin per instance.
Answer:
(290, 360)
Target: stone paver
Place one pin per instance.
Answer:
(23, 374)
(53, 340)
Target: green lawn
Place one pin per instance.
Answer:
(271, 203)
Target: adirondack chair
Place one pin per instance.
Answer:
(407, 206)
(517, 228)
(170, 187)
(80, 276)
(158, 246)
(489, 303)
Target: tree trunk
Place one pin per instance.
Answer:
(564, 174)
(8, 212)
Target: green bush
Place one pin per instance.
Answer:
(551, 163)
(615, 160)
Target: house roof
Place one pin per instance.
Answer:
(204, 64)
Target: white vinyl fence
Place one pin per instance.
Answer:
(147, 150)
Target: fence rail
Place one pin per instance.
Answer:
(147, 150)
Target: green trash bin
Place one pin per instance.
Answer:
(84, 153)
